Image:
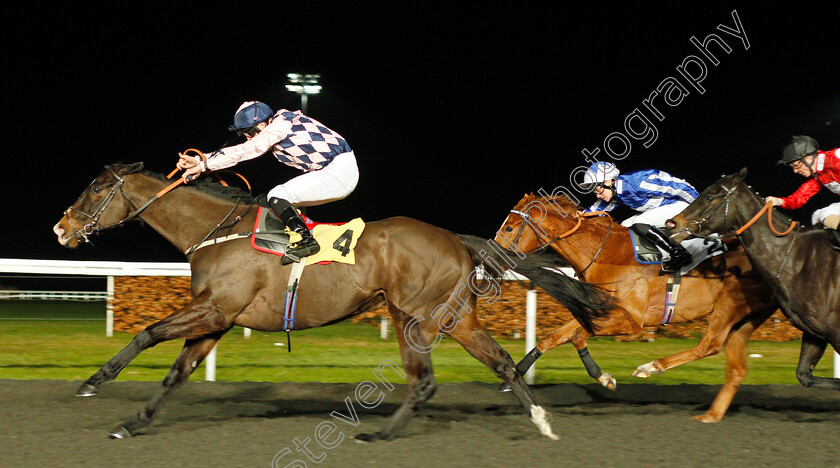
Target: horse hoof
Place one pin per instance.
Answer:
(646, 370)
(371, 437)
(706, 418)
(87, 390)
(120, 433)
(504, 387)
(608, 381)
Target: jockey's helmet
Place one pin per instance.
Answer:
(249, 114)
(598, 173)
(799, 147)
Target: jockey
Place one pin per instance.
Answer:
(822, 168)
(328, 163)
(658, 195)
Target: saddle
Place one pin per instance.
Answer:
(337, 240)
(645, 251)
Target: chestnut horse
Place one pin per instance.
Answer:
(413, 266)
(601, 252)
(798, 264)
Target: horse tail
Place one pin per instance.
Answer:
(585, 301)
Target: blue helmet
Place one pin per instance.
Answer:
(250, 113)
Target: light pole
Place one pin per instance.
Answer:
(303, 85)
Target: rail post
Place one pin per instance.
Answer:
(109, 308)
(530, 329)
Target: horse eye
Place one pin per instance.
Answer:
(96, 189)
(710, 198)
(508, 229)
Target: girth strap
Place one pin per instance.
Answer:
(291, 300)
(671, 293)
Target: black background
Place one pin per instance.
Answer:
(454, 112)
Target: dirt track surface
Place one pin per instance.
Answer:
(247, 424)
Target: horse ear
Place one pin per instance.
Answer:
(742, 173)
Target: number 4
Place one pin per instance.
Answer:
(342, 244)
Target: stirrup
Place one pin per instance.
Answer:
(679, 258)
(304, 248)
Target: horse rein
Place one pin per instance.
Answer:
(768, 207)
(93, 226)
(538, 230)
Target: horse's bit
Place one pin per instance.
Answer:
(93, 226)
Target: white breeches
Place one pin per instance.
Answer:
(819, 216)
(333, 182)
(656, 216)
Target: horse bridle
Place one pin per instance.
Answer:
(768, 207)
(93, 226)
(539, 233)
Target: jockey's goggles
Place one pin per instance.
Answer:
(248, 132)
(797, 163)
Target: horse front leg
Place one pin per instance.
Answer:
(194, 351)
(713, 340)
(617, 323)
(195, 319)
(811, 352)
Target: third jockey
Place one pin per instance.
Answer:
(822, 168)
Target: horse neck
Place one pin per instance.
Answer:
(594, 242)
(184, 215)
(766, 250)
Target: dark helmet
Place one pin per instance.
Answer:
(799, 147)
(250, 113)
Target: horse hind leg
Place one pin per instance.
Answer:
(417, 363)
(475, 339)
(811, 352)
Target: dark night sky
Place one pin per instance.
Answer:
(453, 112)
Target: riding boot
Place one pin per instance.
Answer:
(291, 218)
(679, 256)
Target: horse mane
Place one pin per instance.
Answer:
(212, 187)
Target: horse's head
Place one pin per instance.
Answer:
(534, 221)
(103, 204)
(711, 211)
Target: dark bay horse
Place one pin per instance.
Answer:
(413, 266)
(798, 264)
(601, 252)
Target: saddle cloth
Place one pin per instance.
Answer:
(337, 241)
(647, 252)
